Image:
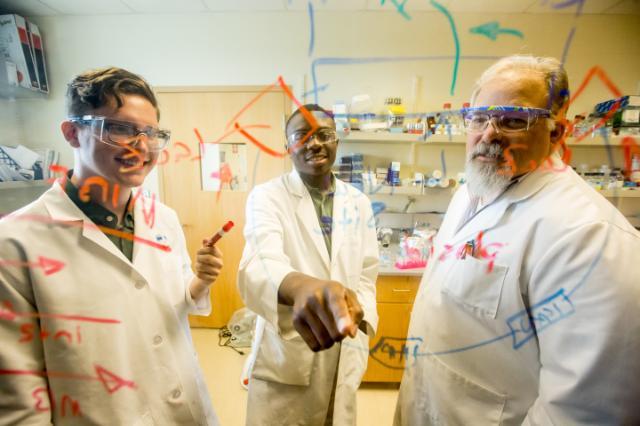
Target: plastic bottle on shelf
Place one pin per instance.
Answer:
(440, 123)
(630, 118)
(386, 256)
(396, 113)
(393, 174)
(635, 169)
(460, 115)
(385, 113)
(443, 127)
(590, 123)
(456, 121)
(431, 125)
(579, 125)
(341, 117)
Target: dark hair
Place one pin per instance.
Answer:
(308, 107)
(96, 88)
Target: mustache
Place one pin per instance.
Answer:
(488, 150)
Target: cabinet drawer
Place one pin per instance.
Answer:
(396, 289)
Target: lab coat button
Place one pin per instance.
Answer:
(140, 284)
(176, 393)
(157, 340)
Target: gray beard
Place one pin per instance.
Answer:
(485, 180)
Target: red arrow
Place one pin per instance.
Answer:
(111, 381)
(7, 313)
(48, 265)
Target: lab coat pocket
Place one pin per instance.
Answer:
(475, 404)
(476, 285)
(283, 361)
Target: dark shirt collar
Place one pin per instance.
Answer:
(94, 211)
(329, 191)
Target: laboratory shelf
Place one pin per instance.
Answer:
(620, 193)
(407, 138)
(388, 137)
(24, 184)
(405, 190)
(10, 91)
(417, 191)
(599, 141)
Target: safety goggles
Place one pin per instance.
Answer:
(507, 119)
(123, 133)
(322, 136)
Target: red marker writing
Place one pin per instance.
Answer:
(226, 228)
(49, 266)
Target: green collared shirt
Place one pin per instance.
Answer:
(103, 217)
(323, 203)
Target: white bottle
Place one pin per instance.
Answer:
(635, 169)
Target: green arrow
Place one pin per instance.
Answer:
(492, 29)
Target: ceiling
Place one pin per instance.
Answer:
(110, 7)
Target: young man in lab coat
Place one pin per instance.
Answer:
(96, 282)
(308, 270)
(528, 309)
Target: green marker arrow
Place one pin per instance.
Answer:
(492, 29)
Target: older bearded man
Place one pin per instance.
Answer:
(528, 309)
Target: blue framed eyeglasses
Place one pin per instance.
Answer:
(506, 118)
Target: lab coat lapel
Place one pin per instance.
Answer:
(484, 220)
(62, 209)
(147, 228)
(307, 217)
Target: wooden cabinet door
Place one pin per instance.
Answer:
(387, 353)
(202, 213)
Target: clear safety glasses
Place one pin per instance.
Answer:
(123, 133)
(322, 136)
(507, 119)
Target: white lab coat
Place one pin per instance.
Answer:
(150, 346)
(571, 259)
(283, 235)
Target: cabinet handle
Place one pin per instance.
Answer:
(400, 290)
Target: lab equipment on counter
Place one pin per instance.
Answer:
(393, 174)
(350, 169)
(341, 117)
(396, 113)
(450, 122)
(635, 169)
(413, 251)
(386, 256)
(19, 164)
(361, 115)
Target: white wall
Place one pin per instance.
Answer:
(254, 48)
(10, 122)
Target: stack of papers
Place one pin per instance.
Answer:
(22, 164)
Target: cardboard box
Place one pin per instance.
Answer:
(16, 48)
(37, 47)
